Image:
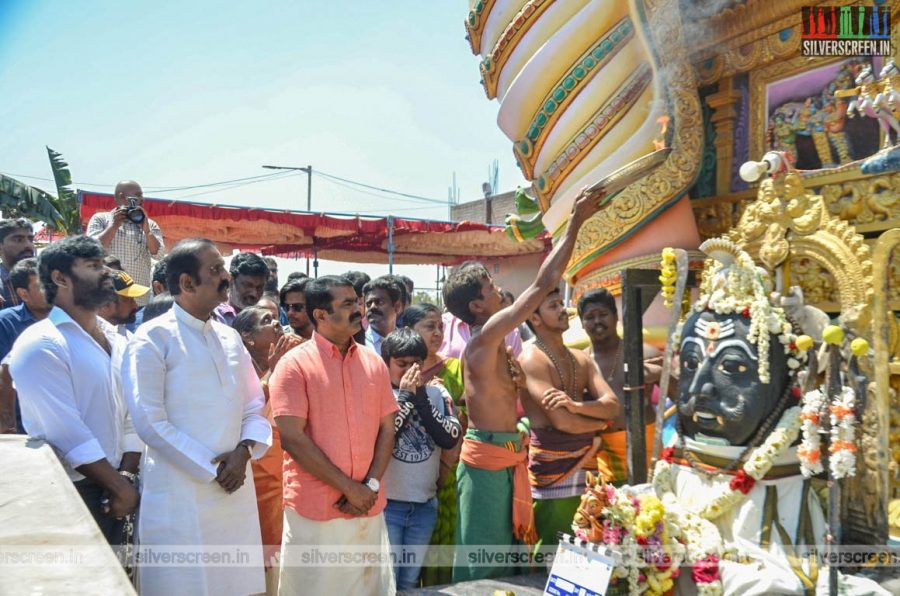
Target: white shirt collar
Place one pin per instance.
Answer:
(190, 320)
(60, 317)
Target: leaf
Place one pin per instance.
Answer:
(66, 202)
(18, 199)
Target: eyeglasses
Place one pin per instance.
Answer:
(216, 270)
(297, 306)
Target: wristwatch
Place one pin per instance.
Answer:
(373, 484)
(246, 443)
(129, 475)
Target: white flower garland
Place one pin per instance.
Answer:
(760, 461)
(810, 450)
(757, 466)
(740, 290)
(842, 461)
(701, 537)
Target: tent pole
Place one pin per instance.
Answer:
(390, 244)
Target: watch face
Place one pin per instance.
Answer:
(373, 484)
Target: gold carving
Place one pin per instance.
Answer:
(885, 346)
(869, 202)
(893, 273)
(506, 44)
(747, 57)
(599, 124)
(727, 44)
(642, 200)
(475, 23)
(723, 118)
(865, 201)
(610, 276)
(817, 283)
(787, 214)
(752, 20)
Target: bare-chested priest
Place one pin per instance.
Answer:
(568, 404)
(600, 318)
(492, 477)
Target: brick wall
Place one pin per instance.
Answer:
(476, 211)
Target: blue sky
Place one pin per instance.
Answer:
(183, 93)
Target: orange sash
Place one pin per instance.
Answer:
(494, 458)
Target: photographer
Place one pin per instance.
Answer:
(128, 234)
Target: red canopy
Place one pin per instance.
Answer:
(335, 237)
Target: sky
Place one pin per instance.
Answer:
(175, 94)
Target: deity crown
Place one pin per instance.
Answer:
(733, 284)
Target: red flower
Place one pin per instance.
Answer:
(665, 563)
(796, 393)
(676, 571)
(746, 313)
(742, 482)
(641, 540)
(792, 346)
(706, 570)
(668, 454)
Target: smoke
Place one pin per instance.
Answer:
(693, 20)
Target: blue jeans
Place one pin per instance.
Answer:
(409, 528)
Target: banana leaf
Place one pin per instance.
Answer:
(66, 202)
(18, 199)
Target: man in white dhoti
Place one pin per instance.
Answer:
(197, 403)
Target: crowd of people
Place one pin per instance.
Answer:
(223, 409)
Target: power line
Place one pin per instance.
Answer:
(379, 189)
(223, 182)
(157, 188)
(49, 179)
(347, 183)
(371, 194)
(236, 185)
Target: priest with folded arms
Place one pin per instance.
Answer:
(197, 403)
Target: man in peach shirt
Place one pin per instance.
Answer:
(335, 410)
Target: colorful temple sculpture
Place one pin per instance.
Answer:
(584, 88)
(587, 86)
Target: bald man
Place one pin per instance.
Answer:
(133, 239)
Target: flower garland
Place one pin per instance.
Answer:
(756, 467)
(735, 285)
(842, 461)
(668, 274)
(639, 527)
(701, 537)
(810, 450)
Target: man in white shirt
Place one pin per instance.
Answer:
(198, 404)
(66, 370)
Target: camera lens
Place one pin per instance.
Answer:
(135, 215)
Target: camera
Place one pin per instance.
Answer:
(133, 212)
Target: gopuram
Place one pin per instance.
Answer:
(784, 170)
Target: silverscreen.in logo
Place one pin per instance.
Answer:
(846, 30)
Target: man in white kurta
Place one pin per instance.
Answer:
(197, 403)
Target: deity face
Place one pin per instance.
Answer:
(719, 392)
